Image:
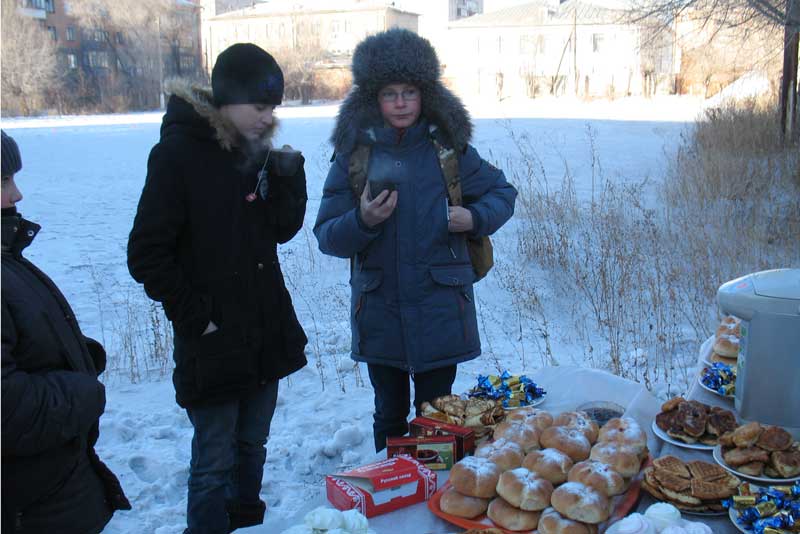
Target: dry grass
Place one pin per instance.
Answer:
(642, 274)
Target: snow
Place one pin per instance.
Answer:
(81, 179)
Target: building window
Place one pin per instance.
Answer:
(50, 6)
(500, 44)
(70, 33)
(187, 63)
(53, 33)
(334, 26)
(119, 38)
(96, 59)
(597, 42)
(72, 61)
(531, 45)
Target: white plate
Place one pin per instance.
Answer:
(717, 393)
(733, 514)
(705, 350)
(536, 402)
(717, 453)
(678, 443)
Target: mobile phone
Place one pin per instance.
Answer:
(376, 187)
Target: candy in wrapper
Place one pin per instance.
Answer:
(743, 501)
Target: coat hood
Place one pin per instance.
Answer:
(191, 110)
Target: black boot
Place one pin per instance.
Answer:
(242, 514)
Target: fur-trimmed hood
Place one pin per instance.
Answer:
(212, 124)
(398, 56)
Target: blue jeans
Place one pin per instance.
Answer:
(228, 454)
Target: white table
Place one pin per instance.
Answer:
(567, 388)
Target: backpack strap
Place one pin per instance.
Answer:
(448, 162)
(357, 169)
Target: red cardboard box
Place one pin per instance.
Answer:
(465, 437)
(381, 487)
(436, 452)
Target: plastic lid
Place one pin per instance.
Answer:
(778, 283)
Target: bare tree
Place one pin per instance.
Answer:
(748, 16)
(300, 61)
(30, 65)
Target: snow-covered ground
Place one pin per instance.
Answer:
(81, 179)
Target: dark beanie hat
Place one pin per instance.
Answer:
(394, 56)
(246, 74)
(12, 161)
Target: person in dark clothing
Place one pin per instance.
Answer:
(216, 203)
(412, 304)
(53, 481)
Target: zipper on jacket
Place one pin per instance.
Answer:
(460, 297)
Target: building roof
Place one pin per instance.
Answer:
(544, 13)
(308, 7)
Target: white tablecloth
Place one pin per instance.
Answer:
(567, 388)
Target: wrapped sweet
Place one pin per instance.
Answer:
(721, 378)
(511, 390)
(767, 510)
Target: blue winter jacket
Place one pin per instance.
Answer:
(412, 302)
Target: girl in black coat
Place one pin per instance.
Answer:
(215, 205)
(53, 480)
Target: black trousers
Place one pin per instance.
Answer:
(393, 397)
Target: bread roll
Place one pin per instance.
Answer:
(581, 421)
(570, 441)
(581, 503)
(551, 522)
(539, 419)
(599, 476)
(455, 503)
(526, 436)
(727, 346)
(524, 490)
(508, 517)
(625, 431)
(506, 454)
(550, 464)
(476, 477)
(621, 459)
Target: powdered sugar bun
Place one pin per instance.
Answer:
(511, 518)
(524, 490)
(581, 421)
(506, 454)
(625, 431)
(539, 419)
(581, 503)
(568, 440)
(475, 476)
(455, 503)
(552, 522)
(550, 464)
(526, 436)
(727, 346)
(599, 476)
(620, 458)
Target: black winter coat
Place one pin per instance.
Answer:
(53, 480)
(208, 254)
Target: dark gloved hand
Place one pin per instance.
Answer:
(98, 354)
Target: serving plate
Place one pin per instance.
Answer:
(717, 453)
(715, 392)
(678, 443)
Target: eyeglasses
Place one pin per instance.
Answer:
(390, 96)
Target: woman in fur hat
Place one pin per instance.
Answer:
(412, 304)
(204, 244)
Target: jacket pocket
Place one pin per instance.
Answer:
(223, 362)
(450, 324)
(367, 312)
